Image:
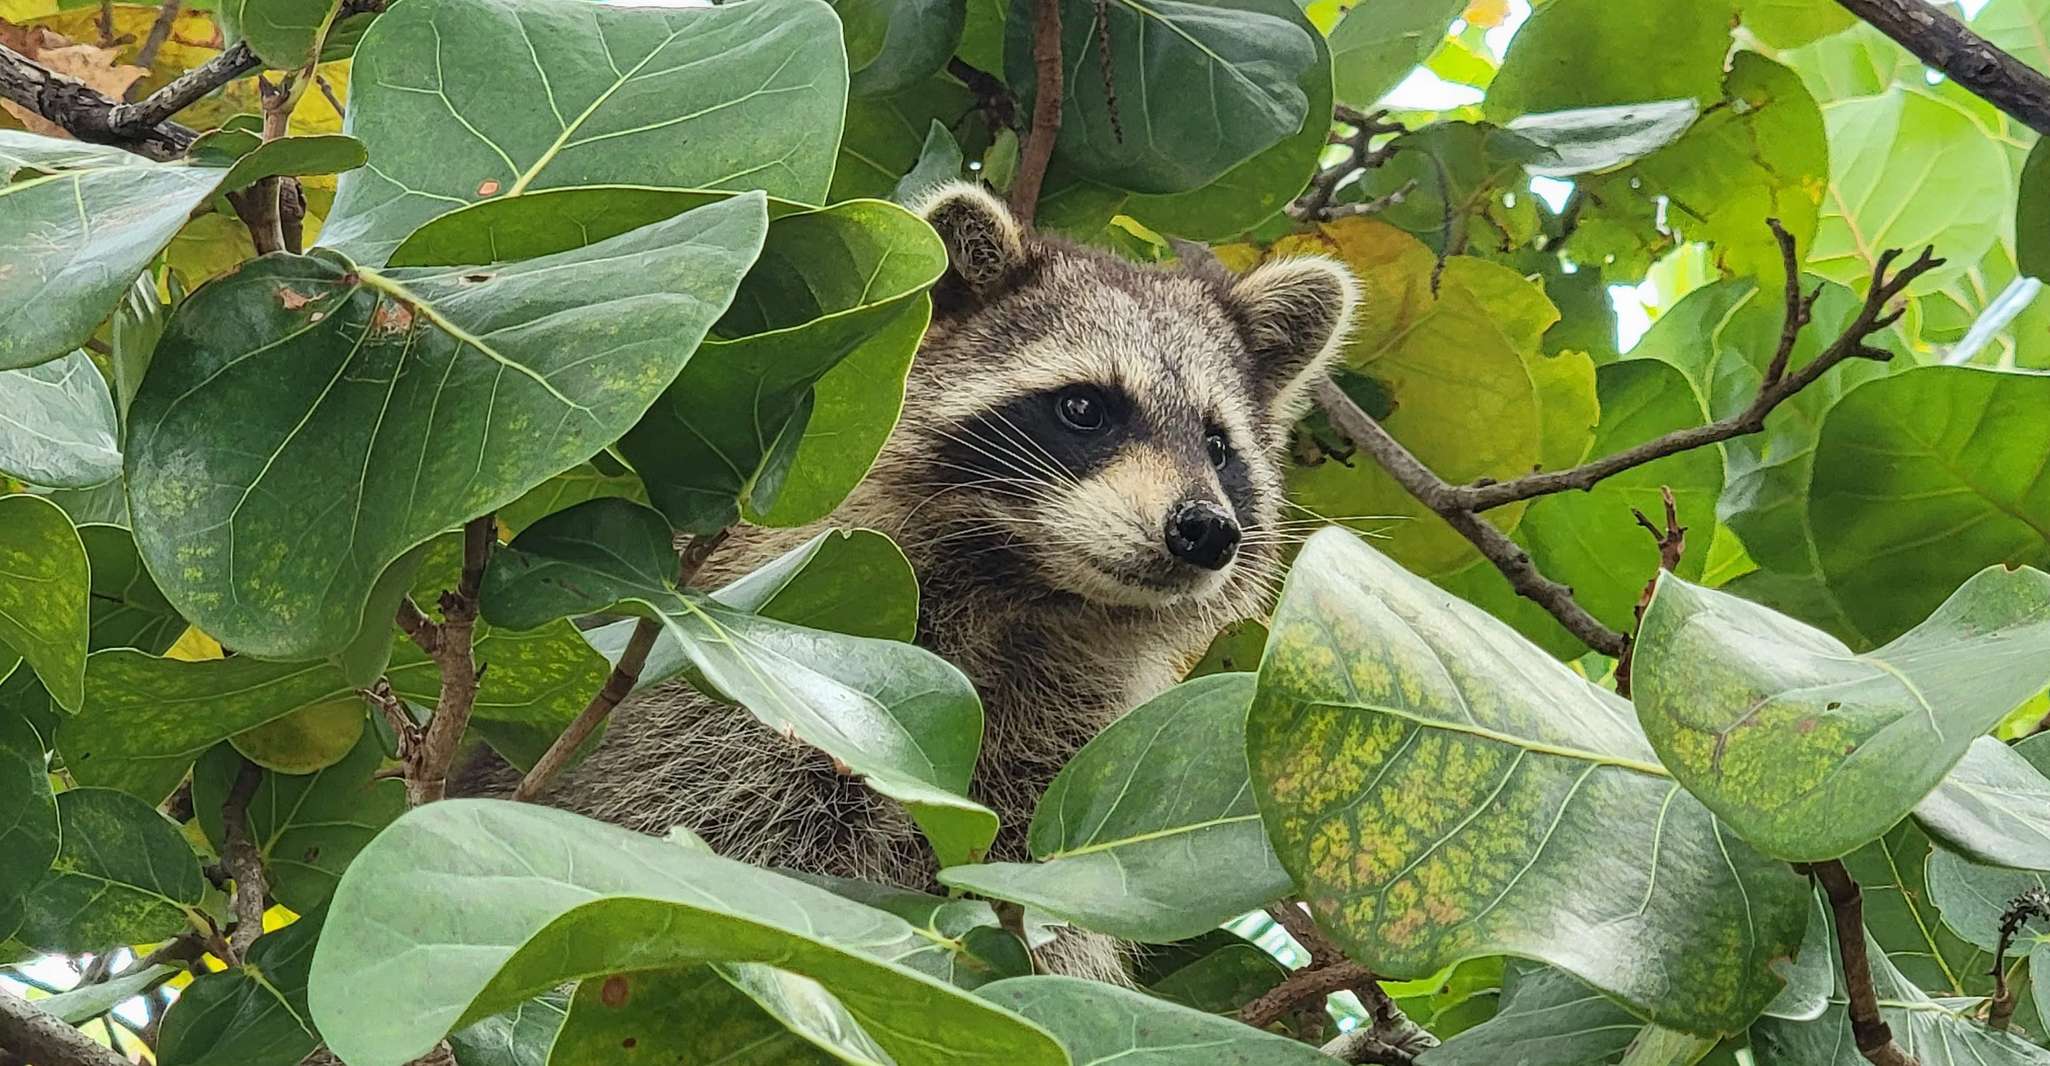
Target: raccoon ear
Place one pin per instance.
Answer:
(1296, 313)
(985, 245)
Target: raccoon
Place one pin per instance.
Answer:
(1087, 480)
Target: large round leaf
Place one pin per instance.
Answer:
(122, 875)
(285, 34)
(306, 421)
(1441, 789)
(1379, 42)
(1807, 750)
(1892, 875)
(57, 425)
(78, 232)
(465, 907)
(892, 45)
(128, 610)
(1100, 1023)
(250, 1015)
(1914, 497)
(2032, 215)
(1149, 832)
(1928, 1030)
(1194, 87)
(742, 97)
(29, 838)
(737, 1014)
(44, 585)
(902, 718)
(1994, 807)
(1580, 53)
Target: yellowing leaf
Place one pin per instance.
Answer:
(194, 646)
(1486, 14)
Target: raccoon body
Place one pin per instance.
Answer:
(1086, 479)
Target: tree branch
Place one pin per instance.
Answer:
(450, 647)
(1310, 983)
(1672, 546)
(1315, 203)
(1037, 151)
(83, 111)
(1393, 1039)
(2031, 903)
(1940, 40)
(45, 1039)
(1868, 1030)
(239, 855)
(1775, 388)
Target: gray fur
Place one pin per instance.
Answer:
(1056, 652)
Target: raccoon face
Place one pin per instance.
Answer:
(1093, 428)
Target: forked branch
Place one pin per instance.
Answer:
(449, 643)
(1315, 202)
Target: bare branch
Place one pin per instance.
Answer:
(159, 32)
(1309, 984)
(82, 110)
(45, 1039)
(239, 855)
(450, 647)
(625, 674)
(1315, 203)
(1940, 40)
(1672, 546)
(1776, 387)
(1037, 151)
(1868, 1030)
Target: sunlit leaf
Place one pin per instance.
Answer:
(44, 585)
(57, 425)
(1379, 42)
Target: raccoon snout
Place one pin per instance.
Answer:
(1201, 533)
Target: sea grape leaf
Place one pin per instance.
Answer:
(122, 875)
(1198, 88)
(29, 837)
(285, 34)
(893, 45)
(1922, 1027)
(1807, 750)
(1222, 981)
(128, 610)
(1994, 806)
(86, 1002)
(254, 1014)
(307, 827)
(969, 946)
(1589, 139)
(759, 108)
(1920, 435)
(1576, 53)
(745, 1014)
(2032, 215)
(1892, 873)
(230, 459)
(1792, 23)
(1101, 1023)
(57, 425)
(826, 283)
(521, 1036)
(1379, 42)
(80, 222)
(1149, 833)
(1552, 833)
(44, 588)
(508, 900)
(894, 713)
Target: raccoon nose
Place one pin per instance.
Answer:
(1202, 533)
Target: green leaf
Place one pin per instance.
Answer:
(2032, 215)
(1806, 750)
(826, 283)
(1590, 139)
(885, 136)
(508, 900)
(147, 719)
(1441, 789)
(250, 1015)
(1222, 981)
(1792, 23)
(518, 1037)
(29, 837)
(939, 160)
(1931, 1032)
(1922, 436)
(513, 381)
(57, 426)
(128, 611)
(1869, 208)
(1892, 874)
(1546, 1015)
(895, 714)
(760, 106)
(549, 221)
(1149, 833)
(968, 945)
(307, 827)
(564, 490)
(1379, 42)
(740, 1013)
(294, 156)
(892, 45)
(309, 739)
(1994, 807)
(86, 1002)
(1577, 53)
(1199, 87)
(285, 34)
(123, 875)
(81, 221)
(1101, 1023)
(44, 584)
(855, 582)
(1261, 187)
(1972, 898)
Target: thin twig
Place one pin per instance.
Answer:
(1940, 40)
(1776, 387)
(44, 1038)
(451, 649)
(2031, 903)
(159, 32)
(1672, 546)
(239, 855)
(1037, 150)
(1868, 1030)
(1315, 202)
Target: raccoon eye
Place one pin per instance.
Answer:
(1080, 409)
(1220, 452)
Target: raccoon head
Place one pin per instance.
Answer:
(1082, 426)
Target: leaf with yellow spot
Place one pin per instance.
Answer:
(1810, 751)
(1442, 789)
